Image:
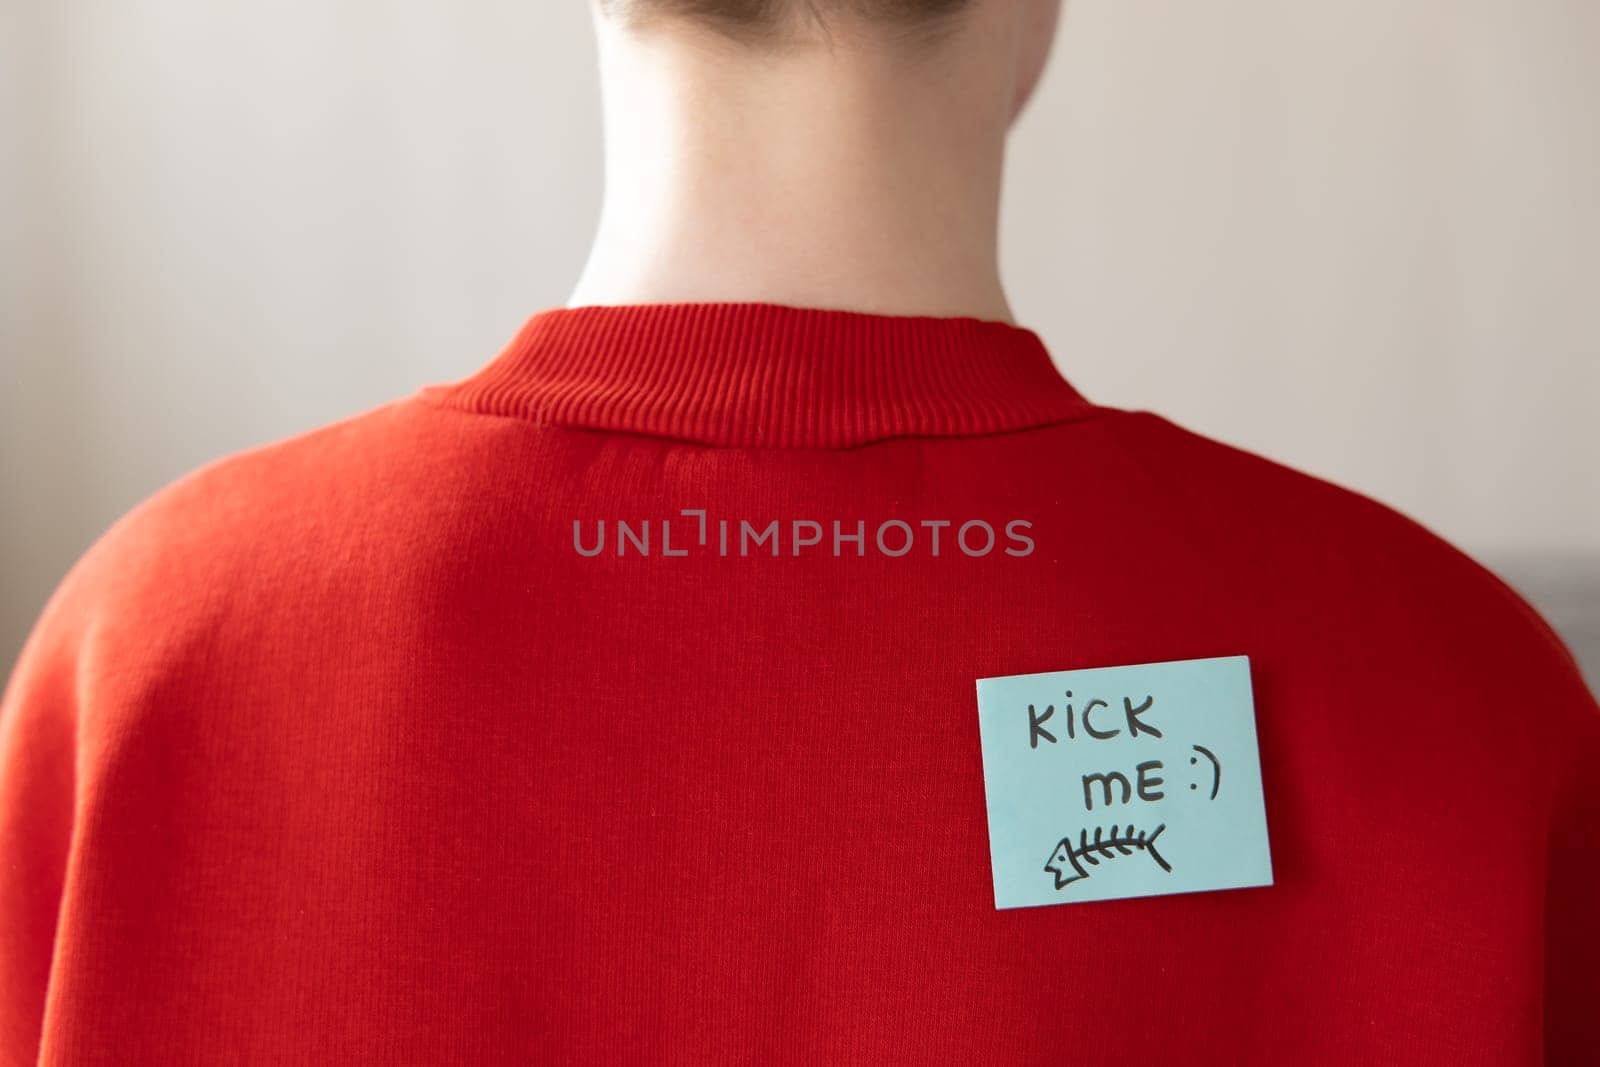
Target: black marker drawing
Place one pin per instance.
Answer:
(1216, 768)
(1124, 842)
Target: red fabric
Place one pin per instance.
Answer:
(338, 750)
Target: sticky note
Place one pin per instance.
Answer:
(1131, 781)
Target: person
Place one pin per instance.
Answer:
(616, 703)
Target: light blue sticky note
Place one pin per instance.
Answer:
(1117, 782)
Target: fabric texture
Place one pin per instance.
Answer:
(616, 704)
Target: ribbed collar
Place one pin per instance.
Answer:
(764, 375)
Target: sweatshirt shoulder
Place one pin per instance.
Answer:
(1380, 555)
(215, 513)
(221, 540)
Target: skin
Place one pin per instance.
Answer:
(841, 166)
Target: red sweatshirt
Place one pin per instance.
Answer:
(616, 704)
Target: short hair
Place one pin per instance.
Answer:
(770, 19)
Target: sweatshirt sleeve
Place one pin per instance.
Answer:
(1572, 900)
(38, 730)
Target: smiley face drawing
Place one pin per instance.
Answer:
(1216, 769)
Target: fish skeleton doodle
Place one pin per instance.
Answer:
(1104, 846)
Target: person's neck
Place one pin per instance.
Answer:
(859, 177)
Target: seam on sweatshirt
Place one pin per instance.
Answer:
(429, 397)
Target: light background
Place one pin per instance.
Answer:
(1358, 237)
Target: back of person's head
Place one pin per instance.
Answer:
(777, 20)
(957, 55)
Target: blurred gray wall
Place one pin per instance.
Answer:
(1362, 238)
